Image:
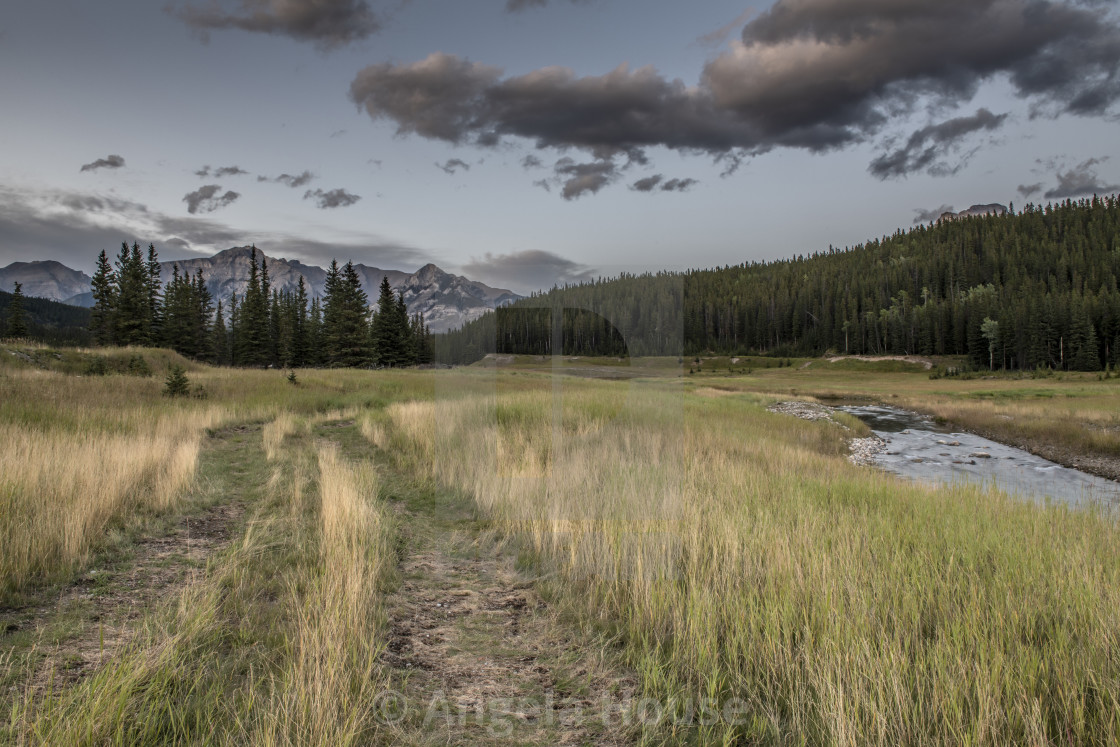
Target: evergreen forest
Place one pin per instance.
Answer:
(1027, 290)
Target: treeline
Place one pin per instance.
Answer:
(1027, 290)
(42, 319)
(265, 327)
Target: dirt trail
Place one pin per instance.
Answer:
(99, 612)
(479, 658)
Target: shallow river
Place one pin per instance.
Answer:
(919, 449)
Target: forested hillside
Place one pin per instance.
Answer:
(48, 321)
(1023, 290)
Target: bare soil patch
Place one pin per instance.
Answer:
(479, 658)
(99, 612)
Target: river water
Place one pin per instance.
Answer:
(921, 450)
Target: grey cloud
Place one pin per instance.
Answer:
(657, 181)
(926, 149)
(527, 270)
(808, 74)
(1029, 190)
(678, 185)
(531, 162)
(328, 24)
(723, 33)
(332, 199)
(72, 227)
(1081, 181)
(452, 165)
(921, 215)
(515, 6)
(647, 184)
(110, 162)
(584, 178)
(298, 180)
(207, 199)
(220, 172)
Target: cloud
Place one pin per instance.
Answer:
(1029, 190)
(328, 24)
(109, 162)
(452, 165)
(922, 215)
(333, 199)
(531, 162)
(298, 180)
(207, 199)
(927, 148)
(647, 184)
(527, 271)
(723, 33)
(678, 185)
(815, 75)
(515, 6)
(72, 227)
(1080, 181)
(584, 178)
(657, 181)
(220, 172)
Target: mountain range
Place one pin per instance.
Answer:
(445, 301)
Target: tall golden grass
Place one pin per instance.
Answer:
(743, 561)
(60, 487)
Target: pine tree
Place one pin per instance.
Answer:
(386, 333)
(346, 319)
(17, 323)
(253, 329)
(153, 291)
(104, 301)
(219, 339)
(132, 294)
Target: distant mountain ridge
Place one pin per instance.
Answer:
(446, 301)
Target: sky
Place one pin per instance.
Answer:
(531, 142)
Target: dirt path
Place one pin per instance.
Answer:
(477, 657)
(68, 633)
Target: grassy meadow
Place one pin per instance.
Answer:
(756, 587)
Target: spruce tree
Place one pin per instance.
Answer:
(219, 338)
(386, 333)
(132, 293)
(346, 319)
(153, 291)
(104, 301)
(252, 332)
(17, 323)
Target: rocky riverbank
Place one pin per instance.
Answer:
(861, 451)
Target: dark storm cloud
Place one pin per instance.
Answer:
(326, 23)
(809, 74)
(452, 165)
(921, 215)
(207, 199)
(110, 162)
(298, 180)
(1081, 181)
(220, 172)
(334, 198)
(1029, 190)
(527, 271)
(927, 148)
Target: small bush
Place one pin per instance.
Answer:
(176, 384)
(138, 366)
(97, 365)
